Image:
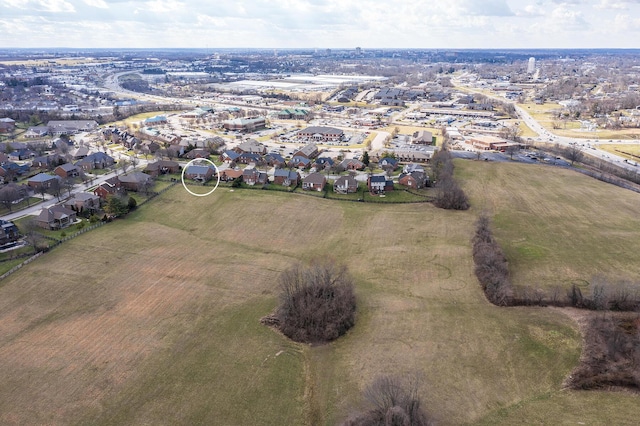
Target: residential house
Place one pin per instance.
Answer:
(323, 163)
(249, 158)
(352, 164)
(97, 160)
(251, 146)
(174, 151)
(9, 232)
(229, 156)
(345, 185)
(111, 186)
(83, 202)
(252, 176)
(47, 161)
(7, 125)
(42, 180)
(162, 167)
(197, 153)
(200, 173)
(22, 154)
(135, 181)
(379, 184)
(314, 182)
(285, 177)
(388, 163)
(9, 170)
(274, 160)
(300, 162)
(321, 134)
(55, 217)
(67, 170)
(308, 151)
(414, 180)
(412, 167)
(228, 175)
(79, 152)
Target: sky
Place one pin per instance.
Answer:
(438, 24)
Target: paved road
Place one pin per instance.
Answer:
(589, 147)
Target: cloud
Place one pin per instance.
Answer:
(100, 4)
(611, 4)
(55, 6)
(487, 7)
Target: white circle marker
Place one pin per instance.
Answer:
(199, 160)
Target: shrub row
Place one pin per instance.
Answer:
(449, 195)
(491, 267)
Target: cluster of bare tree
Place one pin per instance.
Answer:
(394, 402)
(449, 195)
(317, 303)
(491, 267)
(611, 354)
(493, 273)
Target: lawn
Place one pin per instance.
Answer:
(154, 319)
(629, 151)
(557, 226)
(21, 205)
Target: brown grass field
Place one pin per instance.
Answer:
(154, 319)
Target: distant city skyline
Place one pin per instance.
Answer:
(455, 24)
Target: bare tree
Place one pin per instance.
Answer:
(574, 153)
(55, 189)
(393, 401)
(317, 303)
(124, 165)
(68, 184)
(9, 194)
(33, 237)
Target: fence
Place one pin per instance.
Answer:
(57, 242)
(26, 262)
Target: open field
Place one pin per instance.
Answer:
(629, 151)
(561, 227)
(154, 319)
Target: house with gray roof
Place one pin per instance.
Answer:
(345, 185)
(135, 181)
(55, 217)
(379, 184)
(285, 177)
(67, 170)
(42, 180)
(314, 182)
(200, 173)
(96, 160)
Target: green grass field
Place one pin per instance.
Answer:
(155, 319)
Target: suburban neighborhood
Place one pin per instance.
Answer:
(354, 236)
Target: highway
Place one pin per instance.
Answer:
(589, 147)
